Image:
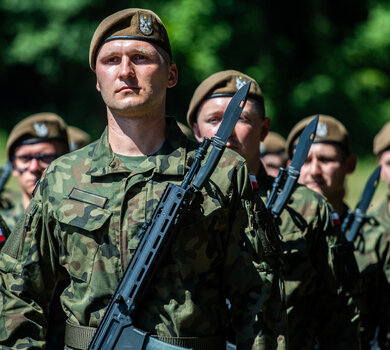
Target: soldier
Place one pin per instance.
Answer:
(273, 153)
(77, 138)
(374, 257)
(381, 150)
(317, 312)
(31, 146)
(329, 162)
(87, 210)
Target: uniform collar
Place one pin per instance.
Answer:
(171, 159)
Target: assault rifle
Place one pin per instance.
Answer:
(288, 178)
(355, 220)
(117, 330)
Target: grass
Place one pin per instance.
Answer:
(355, 182)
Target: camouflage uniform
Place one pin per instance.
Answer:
(11, 207)
(318, 312)
(373, 257)
(82, 224)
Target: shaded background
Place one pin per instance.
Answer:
(317, 56)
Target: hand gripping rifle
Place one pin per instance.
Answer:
(277, 201)
(355, 220)
(117, 330)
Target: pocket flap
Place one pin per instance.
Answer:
(86, 216)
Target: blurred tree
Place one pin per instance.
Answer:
(309, 57)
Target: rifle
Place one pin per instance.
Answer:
(117, 330)
(277, 201)
(355, 220)
(7, 169)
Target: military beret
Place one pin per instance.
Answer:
(77, 138)
(40, 127)
(273, 143)
(132, 23)
(329, 130)
(382, 140)
(222, 84)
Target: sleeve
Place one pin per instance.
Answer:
(264, 326)
(27, 275)
(337, 311)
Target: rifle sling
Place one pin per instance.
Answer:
(79, 337)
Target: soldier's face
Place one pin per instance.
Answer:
(325, 170)
(272, 163)
(250, 129)
(132, 77)
(27, 169)
(384, 161)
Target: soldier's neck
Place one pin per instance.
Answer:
(25, 200)
(136, 137)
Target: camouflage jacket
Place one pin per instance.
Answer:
(82, 225)
(318, 312)
(11, 207)
(373, 257)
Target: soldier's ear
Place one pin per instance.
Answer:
(97, 86)
(265, 127)
(351, 162)
(197, 135)
(173, 75)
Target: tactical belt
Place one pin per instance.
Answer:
(79, 337)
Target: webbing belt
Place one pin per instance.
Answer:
(79, 337)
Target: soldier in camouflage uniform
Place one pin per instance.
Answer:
(329, 162)
(317, 311)
(32, 144)
(83, 220)
(374, 247)
(381, 149)
(273, 153)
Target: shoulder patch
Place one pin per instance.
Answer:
(335, 219)
(253, 180)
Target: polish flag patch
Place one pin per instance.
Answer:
(255, 185)
(2, 237)
(336, 219)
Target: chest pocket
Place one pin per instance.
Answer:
(82, 229)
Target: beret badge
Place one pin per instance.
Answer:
(41, 129)
(240, 81)
(145, 24)
(322, 130)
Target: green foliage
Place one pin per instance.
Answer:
(309, 57)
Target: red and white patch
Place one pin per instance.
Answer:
(336, 219)
(254, 184)
(2, 237)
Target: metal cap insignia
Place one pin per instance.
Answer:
(322, 130)
(240, 81)
(41, 129)
(145, 24)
